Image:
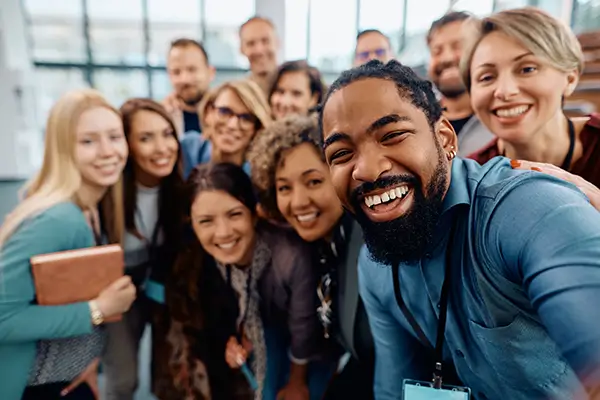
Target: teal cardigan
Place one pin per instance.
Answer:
(22, 322)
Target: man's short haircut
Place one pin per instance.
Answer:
(418, 91)
(367, 31)
(452, 16)
(187, 42)
(257, 18)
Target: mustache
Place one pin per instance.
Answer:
(382, 183)
(445, 65)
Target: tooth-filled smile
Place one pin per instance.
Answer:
(395, 193)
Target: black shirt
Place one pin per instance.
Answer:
(458, 124)
(191, 121)
(332, 256)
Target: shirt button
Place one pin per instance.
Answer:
(428, 256)
(460, 354)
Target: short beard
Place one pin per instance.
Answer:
(452, 92)
(407, 238)
(449, 91)
(193, 101)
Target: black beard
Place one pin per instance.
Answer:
(407, 238)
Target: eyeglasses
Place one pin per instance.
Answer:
(245, 120)
(365, 55)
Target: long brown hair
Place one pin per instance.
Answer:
(315, 80)
(169, 209)
(182, 290)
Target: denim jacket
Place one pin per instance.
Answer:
(523, 318)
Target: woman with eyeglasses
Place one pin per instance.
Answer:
(295, 188)
(238, 113)
(296, 89)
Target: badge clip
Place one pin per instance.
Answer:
(437, 376)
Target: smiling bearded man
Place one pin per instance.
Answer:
(480, 281)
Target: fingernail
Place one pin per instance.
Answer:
(64, 393)
(515, 163)
(240, 360)
(536, 169)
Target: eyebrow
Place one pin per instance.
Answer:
(517, 58)
(308, 171)
(97, 133)
(234, 209)
(378, 124)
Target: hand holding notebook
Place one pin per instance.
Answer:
(93, 274)
(116, 298)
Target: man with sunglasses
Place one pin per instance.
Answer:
(371, 44)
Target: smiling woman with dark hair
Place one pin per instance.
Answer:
(152, 202)
(297, 89)
(294, 185)
(239, 280)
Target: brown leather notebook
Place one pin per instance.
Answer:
(76, 275)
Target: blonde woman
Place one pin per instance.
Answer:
(43, 348)
(240, 111)
(518, 92)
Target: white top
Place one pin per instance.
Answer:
(146, 216)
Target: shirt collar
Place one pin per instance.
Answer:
(458, 192)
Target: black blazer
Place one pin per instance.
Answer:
(353, 331)
(288, 300)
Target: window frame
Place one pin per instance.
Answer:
(88, 66)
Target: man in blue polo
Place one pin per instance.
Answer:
(482, 276)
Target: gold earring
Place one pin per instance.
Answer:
(451, 154)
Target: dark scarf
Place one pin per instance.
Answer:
(244, 283)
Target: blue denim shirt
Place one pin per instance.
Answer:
(524, 307)
(195, 150)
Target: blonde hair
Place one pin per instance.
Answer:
(208, 101)
(539, 32)
(59, 179)
(253, 98)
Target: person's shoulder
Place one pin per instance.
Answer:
(486, 153)
(499, 178)
(60, 227)
(190, 137)
(590, 131)
(281, 238)
(372, 273)
(60, 216)
(501, 187)
(593, 121)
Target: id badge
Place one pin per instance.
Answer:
(418, 390)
